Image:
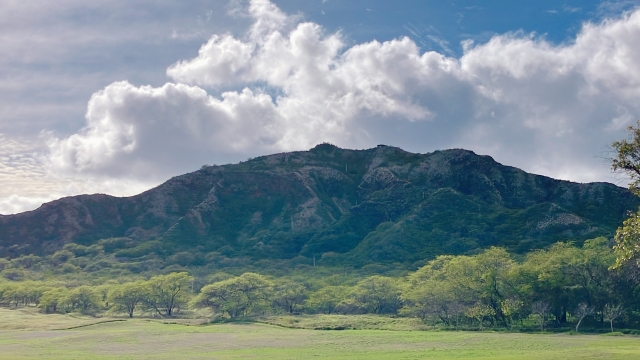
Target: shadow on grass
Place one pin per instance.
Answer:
(92, 324)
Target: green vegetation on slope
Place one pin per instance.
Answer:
(342, 207)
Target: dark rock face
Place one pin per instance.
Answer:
(381, 204)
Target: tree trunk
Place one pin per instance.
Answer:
(578, 324)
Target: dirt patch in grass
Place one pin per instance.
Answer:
(345, 322)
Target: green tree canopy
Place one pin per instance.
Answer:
(289, 295)
(52, 299)
(326, 299)
(627, 161)
(379, 294)
(126, 297)
(166, 293)
(83, 299)
(238, 296)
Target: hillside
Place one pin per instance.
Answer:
(360, 206)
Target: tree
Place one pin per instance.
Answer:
(510, 308)
(379, 294)
(235, 297)
(627, 240)
(627, 157)
(541, 308)
(167, 293)
(35, 293)
(583, 310)
(456, 308)
(439, 289)
(289, 296)
(52, 298)
(627, 161)
(325, 300)
(479, 312)
(489, 279)
(127, 296)
(565, 275)
(23, 293)
(82, 298)
(612, 312)
(432, 297)
(15, 294)
(486, 279)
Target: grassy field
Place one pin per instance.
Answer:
(25, 335)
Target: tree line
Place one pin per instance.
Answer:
(564, 285)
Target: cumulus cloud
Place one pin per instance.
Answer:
(559, 105)
(132, 131)
(14, 203)
(27, 183)
(287, 85)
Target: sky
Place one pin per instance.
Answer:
(116, 97)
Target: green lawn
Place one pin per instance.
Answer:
(144, 339)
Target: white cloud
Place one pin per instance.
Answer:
(55, 54)
(26, 183)
(557, 107)
(546, 108)
(151, 133)
(571, 9)
(14, 204)
(615, 7)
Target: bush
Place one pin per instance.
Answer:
(182, 258)
(4, 263)
(13, 274)
(61, 257)
(68, 269)
(80, 250)
(141, 250)
(113, 244)
(27, 261)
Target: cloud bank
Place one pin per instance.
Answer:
(287, 85)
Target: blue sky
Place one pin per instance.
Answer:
(451, 22)
(115, 97)
(454, 21)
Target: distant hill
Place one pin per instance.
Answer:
(359, 206)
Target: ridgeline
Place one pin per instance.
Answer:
(337, 206)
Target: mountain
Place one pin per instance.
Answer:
(360, 206)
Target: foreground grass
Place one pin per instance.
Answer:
(144, 339)
(32, 319)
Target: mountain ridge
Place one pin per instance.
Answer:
(361, 206)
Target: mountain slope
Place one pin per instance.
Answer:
(360, 206)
